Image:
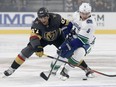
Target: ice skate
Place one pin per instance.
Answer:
(89, 73)
(64, 74)
(8, 72)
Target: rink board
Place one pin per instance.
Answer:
(10, 31)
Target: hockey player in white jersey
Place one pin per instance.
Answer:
(81, 40)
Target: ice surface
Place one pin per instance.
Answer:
(102, 58)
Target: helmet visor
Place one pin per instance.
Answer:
(43, 15)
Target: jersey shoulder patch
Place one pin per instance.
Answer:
(89, 21)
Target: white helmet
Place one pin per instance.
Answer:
(85, 8)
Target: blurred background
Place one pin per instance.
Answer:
(18, 15)
(55, 5)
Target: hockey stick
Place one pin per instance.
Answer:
(80, 66)
(42, 74)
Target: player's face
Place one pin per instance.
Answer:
(44, 20)
(84, 16)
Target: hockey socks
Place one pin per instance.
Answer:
(15, 65)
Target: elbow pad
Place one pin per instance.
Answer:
(35, 42)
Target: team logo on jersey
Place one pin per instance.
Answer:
(50, 36)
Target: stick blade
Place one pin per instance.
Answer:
(43, 76)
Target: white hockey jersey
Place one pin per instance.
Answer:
(87, 28)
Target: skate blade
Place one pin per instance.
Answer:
(58, 75)
(63, 78)
(3, 76)
(91, 76)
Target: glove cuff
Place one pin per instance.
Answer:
(39, 49)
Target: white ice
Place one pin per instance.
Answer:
(101, 58)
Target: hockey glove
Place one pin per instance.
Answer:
(40, 51)
(65, 50)
(68, 47)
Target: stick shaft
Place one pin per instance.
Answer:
(82, 67)
(43, 74)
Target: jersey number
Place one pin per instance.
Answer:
(35, 31)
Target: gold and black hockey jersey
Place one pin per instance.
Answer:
(52, 30)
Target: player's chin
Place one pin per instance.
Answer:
(45, 23)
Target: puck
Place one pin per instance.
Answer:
(84, 78)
